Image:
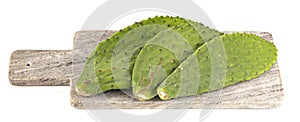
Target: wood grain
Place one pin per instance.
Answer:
(40, 67)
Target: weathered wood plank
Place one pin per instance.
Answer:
(50, 67)
(263, 92)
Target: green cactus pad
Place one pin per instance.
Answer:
(244, 57)
(97, 75)
(166, 50)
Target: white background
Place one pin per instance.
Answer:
(51, 24)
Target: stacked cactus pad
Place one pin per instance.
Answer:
(173, 57)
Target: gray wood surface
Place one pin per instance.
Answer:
(40, 67)
(58, 68)
(263, 92)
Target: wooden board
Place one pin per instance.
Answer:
(263, 92)
(53, 68)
